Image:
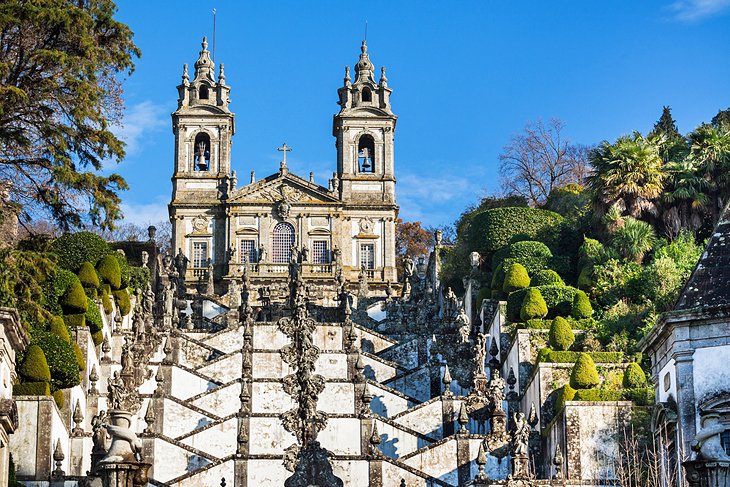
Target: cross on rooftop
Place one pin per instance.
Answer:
(284, 149)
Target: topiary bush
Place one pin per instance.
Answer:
(32, 389)
(79, 356)
(546, 277)
(35, 366)
(493, 229)
(56, 287)
(139, 277)
(568, 357)
(598, 395)
(109, 271)
(74, 300)
(559, 300)
(87, 276)
(93, 317)
(515, 277)
(107, 304)
(59, 397)
(584, 374)
(61, 360)
(534, 256)
(74, 321)
(585, 278)
(533, 306)
(124, 269)
(498, 277)
(582, 308)
(561, 335)
(98, 337)
(73, 249)
(58, 327)
(123, 302)
(634, 377)
(565, 393)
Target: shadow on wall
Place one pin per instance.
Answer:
(378, 406)
(196, 462)
(387, 446)
(369, 373)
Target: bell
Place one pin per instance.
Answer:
(366, 165)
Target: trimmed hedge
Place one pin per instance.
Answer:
(567, 357)
(87, 276)
(561, 335)
(559, 300)
(35, 365)
(56, 287)
(74, 300)
(538, 324)
(534, 256)
(98, 337)
(93, 317)
(497, 277)
(515, 278)
(565, 393)
(598, 395)
(546, 277)
(533, 306)
(139, 277)
(123, 302)
(79, 356)
(581, 306)
(73, 249)
(32, 389)
(584, 374)
(59, 397)
(58, 327)
(107, 304)
(634, 377)
(74, 321)
(493, 229)
(124, 269)
(109, 271)
(61, 360)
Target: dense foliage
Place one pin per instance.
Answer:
(73, 249)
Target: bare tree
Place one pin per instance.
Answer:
(540, 159)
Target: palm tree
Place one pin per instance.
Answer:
(710, 150)
(634, 239)
(685, 196)
(628, 173)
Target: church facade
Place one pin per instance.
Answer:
(221, 227)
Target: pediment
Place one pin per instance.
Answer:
(286, 187)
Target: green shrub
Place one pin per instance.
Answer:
(581, 306)
(32, 389)
(122, 299)
(546, 277)
(598, 395)
(105, 289)
(591, 252)
(585, 278)
(107, 304)
(568, 357)
(498, 295)
(93, 317)
(79, 356)
(584, 374)
(109, 271)
(59, 397)
(124, 269)
(35, 366)
(139, 277)
(559, 300)
(634, 377)
(565, 393)
(515, 278)
(643, 396)
(74, 299)
(73, 249)
(61, 360)
(91, 292)
(98, 337)
(568, 200)
(88, 276)
(56, 287)
(533, 306)
(493, 229)
(534, 256)
(498, 277)
(74, 321)
(561, 335)
(58, 327)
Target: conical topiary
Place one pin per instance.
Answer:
(584, 374)
(73, 300)
(533, 305)
(515, 277)
(35, 366)
(109, 271)
(561, 335)
(58, 327)
(79, 356)
(581, 306)
(634, 377)
(88, 276)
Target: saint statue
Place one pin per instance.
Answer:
(520, 435)
(707, 442)
(181, 263)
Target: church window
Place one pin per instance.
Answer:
(283, 242)
(725, 440)
(367, 256)
(203, 93)
(248, 251)
(366, 154)
(320, 252)
(200, 255)
(202, 152)
(367, 95)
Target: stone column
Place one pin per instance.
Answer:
(686, 408)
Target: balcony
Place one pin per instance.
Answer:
(258, 269)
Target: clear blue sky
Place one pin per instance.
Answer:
(466, 76)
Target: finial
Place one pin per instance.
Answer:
(222, 76)
(383, 78)
(447, 381)
(347, 76)
(463, 419)
(58, 458)
(364, 47)
(481, 462)
(185, 76)
(205, 43)
(311, 177)
(253, 177)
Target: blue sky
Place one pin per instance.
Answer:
(466, 76)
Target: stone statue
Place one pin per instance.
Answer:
(145, 258)
(168, 300)
(231, 254)
(305, 253)
(520, 435)
(480, 353)
(181, 263)
(127, 358)
(148, 301)
(262, 254)
(707, 442)
(99, 437)
(168, 263)
(451, 304)
(234, 294)
(408, 267)
(294, 254)
(116, 391)
(496, 390)
(337, 256)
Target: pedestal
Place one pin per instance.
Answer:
(707, 474)
(124, 474)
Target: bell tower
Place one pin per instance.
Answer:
(203, 126)
(364, 129)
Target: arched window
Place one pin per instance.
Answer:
(367, 95)
(366, 154)
(202, 152)
(283, 241)
(203, 95)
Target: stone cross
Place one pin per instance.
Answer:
(284, 149)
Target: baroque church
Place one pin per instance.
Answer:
(277, 346)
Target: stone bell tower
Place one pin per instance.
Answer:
(203, 126)
(364, 129)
